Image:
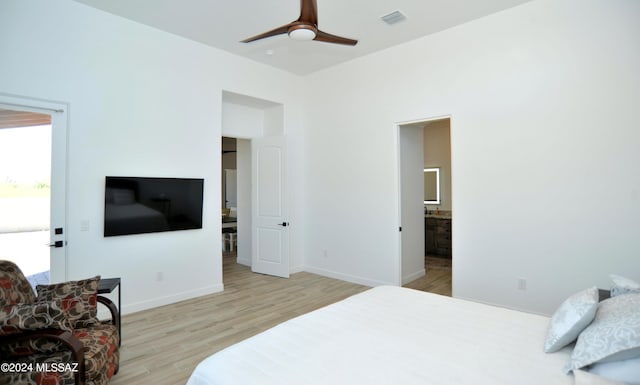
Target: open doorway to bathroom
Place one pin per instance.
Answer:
(425, 206)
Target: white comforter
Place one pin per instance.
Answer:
(391, 335)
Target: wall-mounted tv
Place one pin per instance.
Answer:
(137, 205)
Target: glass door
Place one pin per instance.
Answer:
(33, 170)
(25, 191)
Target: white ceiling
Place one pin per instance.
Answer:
(224, 23)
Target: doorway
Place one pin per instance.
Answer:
(32, 187)
(424, 158)
(257, 127)
(258, 220)
(229, 199)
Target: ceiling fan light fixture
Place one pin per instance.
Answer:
(302, 32)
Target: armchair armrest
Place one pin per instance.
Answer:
(115, 319)
(65, 337)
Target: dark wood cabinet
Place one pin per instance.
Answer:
(437, 239)
(429, 236)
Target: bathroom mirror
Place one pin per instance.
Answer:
(432, 186)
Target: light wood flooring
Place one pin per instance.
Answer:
(438, 277)
(163, 345)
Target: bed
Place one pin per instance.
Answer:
(393, 335)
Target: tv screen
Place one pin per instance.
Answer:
(136, 205)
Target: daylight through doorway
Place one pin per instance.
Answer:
(25, 192)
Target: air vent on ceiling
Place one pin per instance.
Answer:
(393, 17)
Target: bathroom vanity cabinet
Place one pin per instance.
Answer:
(437, 236)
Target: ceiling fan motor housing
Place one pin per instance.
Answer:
(302, 31)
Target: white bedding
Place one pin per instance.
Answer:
(391, 335)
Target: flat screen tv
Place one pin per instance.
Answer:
(137, 205)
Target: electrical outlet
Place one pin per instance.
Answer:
(324, 254)
(159, 276)
(522, 284)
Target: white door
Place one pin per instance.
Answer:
(411, 151)
(270, 226)
(55, 243)
(58, 244)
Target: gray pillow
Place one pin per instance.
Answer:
(613, 335)
(573, 315)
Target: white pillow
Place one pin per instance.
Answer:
(573, 315)
(627, 371)
(623, 285)
(586, 378)
(613, 335)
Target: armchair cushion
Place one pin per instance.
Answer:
(78, 299)
(40, 315)
(101, 358)
(23, 347)
(14, 287)
(60, 325)
(101, 349)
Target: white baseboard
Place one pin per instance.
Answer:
(296, 269)
(413, 276)
(166, 300)
(242, 261)
(346, 277)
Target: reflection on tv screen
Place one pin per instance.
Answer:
(137, 205)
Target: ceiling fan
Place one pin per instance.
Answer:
(305, 28)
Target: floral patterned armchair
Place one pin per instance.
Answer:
(55, 338)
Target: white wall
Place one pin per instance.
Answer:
(543, 99)
(544, 105)
(144, 103)
(242, 121)
(437, 153)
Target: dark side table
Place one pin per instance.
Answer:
(107, 285)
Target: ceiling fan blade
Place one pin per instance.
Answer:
(309, 12)
(273, 32)
(329, 38)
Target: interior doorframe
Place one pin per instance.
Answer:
(397, 126)
(59, 112)
(271, 124)
(243, 195)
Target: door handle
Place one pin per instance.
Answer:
(56, 244)
(283, 224)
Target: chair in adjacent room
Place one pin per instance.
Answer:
(229, 234)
